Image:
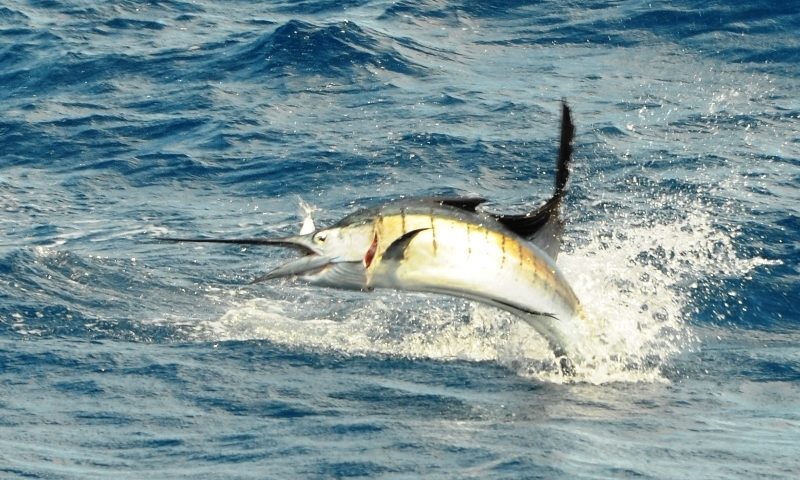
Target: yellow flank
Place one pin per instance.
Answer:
(458, 247)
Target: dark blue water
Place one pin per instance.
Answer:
(123, 357)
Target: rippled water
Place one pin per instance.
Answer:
(123, 357)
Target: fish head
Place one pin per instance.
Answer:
(334, 257)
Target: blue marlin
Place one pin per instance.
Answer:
(448, 246)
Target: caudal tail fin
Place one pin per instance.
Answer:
(543, 227)
(564, 150)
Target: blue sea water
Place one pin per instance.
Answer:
(122, 357)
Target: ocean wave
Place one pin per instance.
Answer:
(134, 24)
(315, 7)
(343, 50)
(455, 12)
(108, 121)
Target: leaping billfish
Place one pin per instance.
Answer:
(447, 246)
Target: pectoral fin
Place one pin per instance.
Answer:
(397, 249)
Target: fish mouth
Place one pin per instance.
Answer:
(312, 262)
(317, 267)
(314, 266)
(308, 265)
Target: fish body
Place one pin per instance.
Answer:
(427, 247)
(444, 249)
(447, 246)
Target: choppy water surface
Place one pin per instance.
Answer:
(122, 357)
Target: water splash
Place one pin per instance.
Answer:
(639, 286)
(642, 287)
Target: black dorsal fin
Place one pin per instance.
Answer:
(469, 204)
(527, 224)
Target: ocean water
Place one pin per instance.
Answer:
(123, 357)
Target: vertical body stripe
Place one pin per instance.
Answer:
(469, 239)
(433, 233)
(503, 250)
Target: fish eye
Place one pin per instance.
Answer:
(320, 237)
